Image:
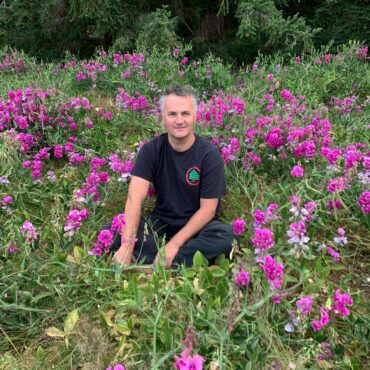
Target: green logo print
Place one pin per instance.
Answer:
(193, 176)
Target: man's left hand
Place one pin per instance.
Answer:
(170, 251)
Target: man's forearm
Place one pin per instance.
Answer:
(132, 213)
(193, 226)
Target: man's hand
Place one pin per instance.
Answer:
(123, 256)
(170, 250)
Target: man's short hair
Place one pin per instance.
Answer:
(179, 90)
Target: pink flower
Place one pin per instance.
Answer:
(263, 239)
(335, 255)
(286, 95)
(305, 305)
(297, 233)
(364, 202)
(105, 237)
(271, 208)
(184, 61)
(12, 248)
(118, 222)
(297, 171)
(297, 60)
(341, 239)
(259, 218)
(189, 363)
(335, 185)
(341, 301)
(29, 231)
(317, 325)
(274, 272)
(242, 278)
(334, 204)
(116, 367)
(239, 226)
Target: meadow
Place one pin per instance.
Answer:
(294, 136)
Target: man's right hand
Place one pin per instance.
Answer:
(123, 256)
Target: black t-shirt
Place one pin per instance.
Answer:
(181, 178)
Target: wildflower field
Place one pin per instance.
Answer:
(295, 139)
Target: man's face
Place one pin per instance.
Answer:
(179, 117)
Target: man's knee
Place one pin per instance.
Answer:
(221, 230)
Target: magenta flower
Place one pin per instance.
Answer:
(118, 222)
(297, 171)
(242, 278)
(341, 301)
(297, 233)
(189, 363)
(73, 221)
(335, 255)
(105, 237)
(341, 239)
(116, 367)
(335, 185)
(239, 226)
(364, 202)
(12, 248)
(29, 231)
(295, 199)
(263, 239)
(271, 208)
(6, 201)
(184, 61)
(274, 272)
(305, 305)
(326, 351)
(334, 204)
(286, 95)
(317, 325)
(259, 218)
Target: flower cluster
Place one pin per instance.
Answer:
(185, 361)
(29, 232)
(74, 221)
(239, 226)
(274, 272)
(6, 202)
(242, 278)
(104, 241)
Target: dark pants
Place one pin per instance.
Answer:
(214, 239)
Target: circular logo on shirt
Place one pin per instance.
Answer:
(193, 176)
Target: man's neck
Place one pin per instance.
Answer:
(181, 145)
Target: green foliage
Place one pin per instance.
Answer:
(60, 307)
(262, 24)
(157, 29)
(234, 30)
(343, 20)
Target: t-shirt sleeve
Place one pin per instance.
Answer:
(213, 184)
(144, 166)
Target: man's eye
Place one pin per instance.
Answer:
(186, 114)
(171, 114)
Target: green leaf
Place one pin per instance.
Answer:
(217, 271)
(290, 279)
(199, 260)
(41, 296)
(70, 321)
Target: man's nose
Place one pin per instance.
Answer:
(179, 119)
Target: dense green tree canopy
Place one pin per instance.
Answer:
(236, 30)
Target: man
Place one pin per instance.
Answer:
(187, 172)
